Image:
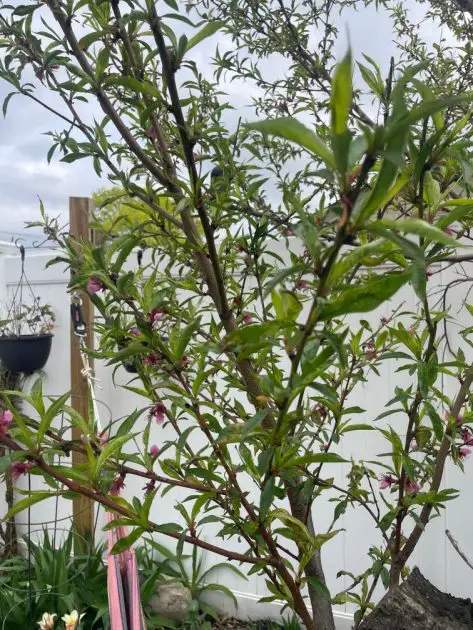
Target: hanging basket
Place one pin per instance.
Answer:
(130, 364)
(25, 333)
(26, 353)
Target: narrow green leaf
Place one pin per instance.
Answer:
(420, 228)
(209, 29)
(340, 104)
(342, 94)
(254, 422)
(185, 337)
(364, 298)
(292, 130)
(126, 542)
(317, 458)
(110, 449)
(31, 499)
(267, 496)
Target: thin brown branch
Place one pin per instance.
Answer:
(456, 546)
(108, 502)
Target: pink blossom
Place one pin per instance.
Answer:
(20, 468)
(118, 484)
(134, 331)
(247, 319)
(158, 412)
(94, 285)
(103, 438)
(288, 232)
(467, 436)
(384, 321)
(154, 450)
(412, 486)
(429, 274)
(386, 481)
(240, 247)
(156, 316)
(150, 132)
(302, 285)
(464, 451)
(414, 445)
(321, 410)
(5, 420)
(151, 359)
(450, 231)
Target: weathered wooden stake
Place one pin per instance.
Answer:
(80, 210)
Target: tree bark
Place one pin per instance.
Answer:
(418, 605)
(322, 613)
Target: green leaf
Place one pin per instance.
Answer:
(184, 338)
(286, 305)
(340, 104)
(364, 298)
(267, 496)
(54, 409)
(209, 29)
(384, 193)
(356, 257)
(317, 458)
(342, 94)
(428, 108)
(299, 268)
(110, 448)
(420, 228)
(126, 542)
(133, 84)
(437, 424)
(419, 279)
(31, 499)
(6, 100)
(292, 130)
(254, 422)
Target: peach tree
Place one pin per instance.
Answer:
(268, 243)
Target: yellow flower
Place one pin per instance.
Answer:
(47, 622)
(72, 620)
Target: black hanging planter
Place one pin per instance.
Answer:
(26, 353)
(25, 334)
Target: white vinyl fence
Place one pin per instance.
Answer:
(348, 551)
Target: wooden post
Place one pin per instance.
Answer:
(80, 209)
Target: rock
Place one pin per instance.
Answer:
(418, 605)
(171, 600)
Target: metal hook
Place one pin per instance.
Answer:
(21, 247)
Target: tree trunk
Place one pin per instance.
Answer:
(418, 605)
(322, 613)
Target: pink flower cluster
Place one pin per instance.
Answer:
(465, 449)
(6, 418)
(411, 486)
(20, 468)
(158, 412)
(94, 285)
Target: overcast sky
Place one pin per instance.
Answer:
(25, 174)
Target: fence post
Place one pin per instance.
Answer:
(80, 210)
